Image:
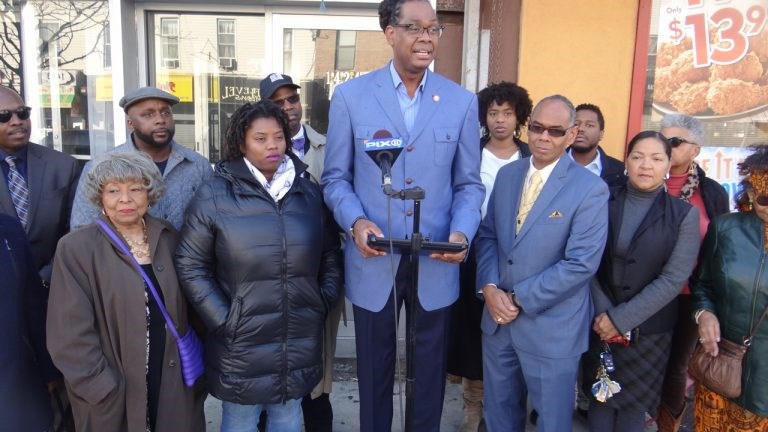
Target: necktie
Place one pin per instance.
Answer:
(19, 191)
(529, 197)
(298, 143)
(298, 147)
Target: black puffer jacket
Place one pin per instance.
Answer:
(261, 275)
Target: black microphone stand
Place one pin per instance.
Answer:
(412, 248)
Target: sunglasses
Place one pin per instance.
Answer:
(290, 99)
(676, 141)
(22, 113)
(553, 132)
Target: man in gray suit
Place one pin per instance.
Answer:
(537, 249)
(37, 188)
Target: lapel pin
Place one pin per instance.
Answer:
(556, 214)
(435, 98)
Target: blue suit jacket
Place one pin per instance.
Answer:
(550, 262)
(442, 156)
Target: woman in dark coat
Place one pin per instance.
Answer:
(26, 365)
(650, 253)
(504, 109)
(105, 330)
(730, 295)
(259, 260)
(688, 182)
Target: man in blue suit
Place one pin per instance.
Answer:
(536, 253)
(437, 122)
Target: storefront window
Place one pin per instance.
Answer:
(213, 63)
(319, 60)
(53, 53)
(709, 59)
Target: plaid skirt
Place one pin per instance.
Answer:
(716, 413)
(640, 370)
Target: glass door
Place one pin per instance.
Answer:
(321, 52)
(213, 63)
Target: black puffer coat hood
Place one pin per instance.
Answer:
(261, 275)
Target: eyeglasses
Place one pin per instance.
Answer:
(22, 113)
(676, 141)
(416, 30)
(293, 99)
(553, 132)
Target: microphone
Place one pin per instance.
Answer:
(384, 150)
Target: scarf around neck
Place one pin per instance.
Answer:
(282, 180)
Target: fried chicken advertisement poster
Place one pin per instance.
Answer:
(712, 58)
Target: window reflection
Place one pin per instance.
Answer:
(213, 64)
(319, 60)
(66, 58)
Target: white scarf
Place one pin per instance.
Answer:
(282, 180)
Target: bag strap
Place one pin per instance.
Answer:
(119, 242)
(748, 339)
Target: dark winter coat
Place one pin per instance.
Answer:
(733, 284)
(261, 275)
(97, 334)
(26, 365)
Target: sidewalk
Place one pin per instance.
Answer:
(344, 399)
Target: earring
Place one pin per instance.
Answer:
(104, 212)
(666, 176)
(692, 169)
(625, 172)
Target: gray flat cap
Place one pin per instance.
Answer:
(143, 93)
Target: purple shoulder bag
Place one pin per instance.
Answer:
(190, 346)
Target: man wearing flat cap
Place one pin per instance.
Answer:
(150, 120)
(308, 144)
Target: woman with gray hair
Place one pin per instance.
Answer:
(688, 182)
(105, 330)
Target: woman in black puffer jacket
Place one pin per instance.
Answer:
(259, 261)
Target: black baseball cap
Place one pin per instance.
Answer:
(269, 85)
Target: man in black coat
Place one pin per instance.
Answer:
(26, 365)
(586, 150)
(37, 187)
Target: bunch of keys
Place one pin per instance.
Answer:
(605, 387)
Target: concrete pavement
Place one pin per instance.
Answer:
(345, 401)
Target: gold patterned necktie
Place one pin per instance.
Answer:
(529, 197)
(19, 191)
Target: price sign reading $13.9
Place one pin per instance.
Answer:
(728, 26)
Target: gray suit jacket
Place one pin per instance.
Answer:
(550, 262)
(52, 179)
